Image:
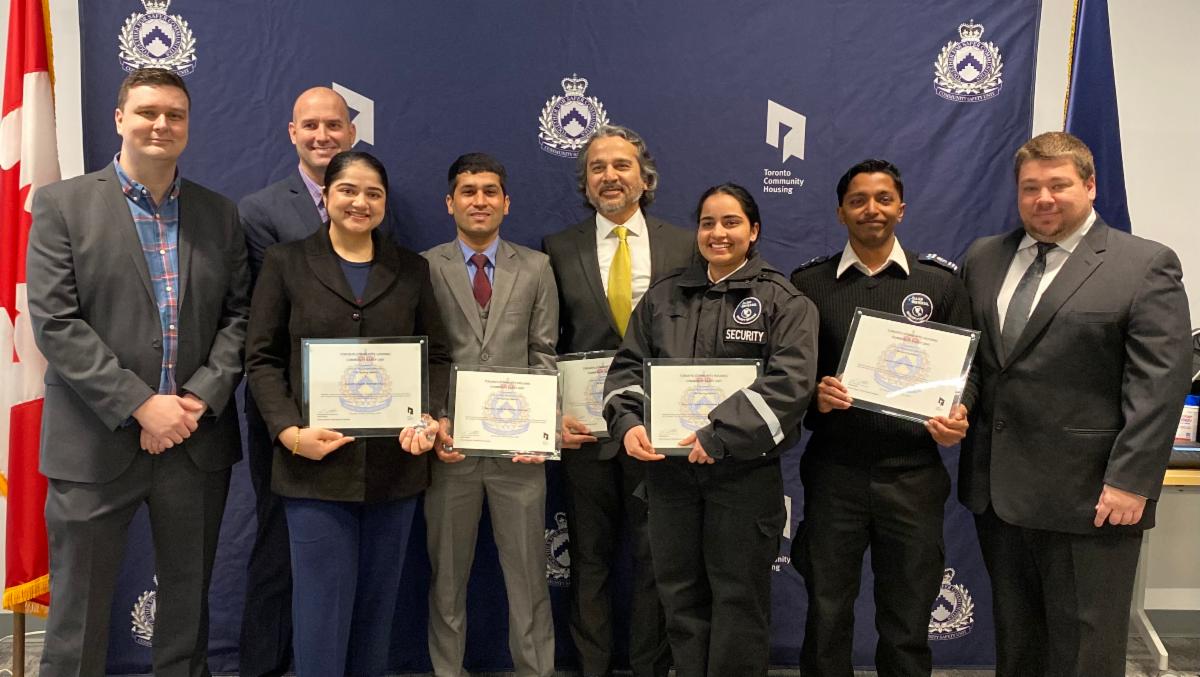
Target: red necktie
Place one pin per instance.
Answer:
(482, 286)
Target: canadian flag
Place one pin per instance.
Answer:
(28, 160)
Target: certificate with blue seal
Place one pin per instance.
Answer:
(583, 377)
(681, 392)
(899, 366)
(365, 387)
(505, 411)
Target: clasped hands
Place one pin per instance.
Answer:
(945, 430)
(167, 420)
(317, 443)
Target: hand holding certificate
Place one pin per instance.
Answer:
(509, 412)
(682, 392)
(583, 396)
(911, 371)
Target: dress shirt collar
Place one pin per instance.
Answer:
(314, 189)
(1070, 242)
(468, 252)
(135, 191)
(850, 259)
(726, 277)
(636, 225)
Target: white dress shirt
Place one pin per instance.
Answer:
(850, 260)
(1026, 253)
(638, 238)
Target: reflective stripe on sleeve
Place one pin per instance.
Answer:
(768, 416)
(618, 391)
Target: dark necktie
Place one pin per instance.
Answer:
(482, 286)
(1021, 303)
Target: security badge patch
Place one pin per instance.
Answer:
(157, 40)
(747, 312)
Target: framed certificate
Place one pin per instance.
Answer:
(503, 411)
(365, 387)
(583, 377)
(911, 371)
(680, 393)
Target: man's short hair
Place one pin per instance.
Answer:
(645, 162)
(1056, 146)
(151, 77)
(871, 166)
(476, 163)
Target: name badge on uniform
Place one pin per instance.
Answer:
(745, 335)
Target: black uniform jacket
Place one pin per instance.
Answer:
(303, 293)
(684, 315)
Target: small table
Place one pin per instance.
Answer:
(1181, 480)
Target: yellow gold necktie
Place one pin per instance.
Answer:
(620, 282)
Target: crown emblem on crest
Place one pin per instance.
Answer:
(574, 85)
(156, 39)
(970, 30)
(568, 121)
(968, 70)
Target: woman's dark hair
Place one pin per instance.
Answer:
(744, 199)
(340, 162)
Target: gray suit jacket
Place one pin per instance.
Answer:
(95, 318)
(1092, 391)
(586, 322)
(523, 318)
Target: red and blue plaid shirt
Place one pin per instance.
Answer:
(158, 230)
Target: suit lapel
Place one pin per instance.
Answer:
(189, 212)
(1080, 265)
(506, 274)
(301, 201)
(589, 261)
(384, 269)
(453, 270)
(993, 274)
(109, 187)
(324, 265)
(658, 250)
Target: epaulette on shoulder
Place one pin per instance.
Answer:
(812, 262)
(936, 260)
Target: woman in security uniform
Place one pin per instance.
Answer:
(716, 515)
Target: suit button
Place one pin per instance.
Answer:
(484, 356)
(999, 425)
(356, 316)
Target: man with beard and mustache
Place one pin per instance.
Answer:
(872, 480)
(603, 266)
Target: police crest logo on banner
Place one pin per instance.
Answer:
(143, 613)
(156, 39)
(968, 70)
(568, 121)
(953, 614)
(558, 556)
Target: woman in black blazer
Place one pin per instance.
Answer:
(349, 503)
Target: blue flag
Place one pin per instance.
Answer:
(1092, 108)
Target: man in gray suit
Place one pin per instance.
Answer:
(1082, 372)
(138, 292)
(500, 307)
(288, 210)
(618, 178)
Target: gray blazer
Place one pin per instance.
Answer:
(1092, 391)
(95, 318)
(586, 321)
(522, 323)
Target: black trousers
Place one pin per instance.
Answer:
(266, 640)
(714, 534)
(898, 513)
(601, 511)
(1061, 601)
(88, 525)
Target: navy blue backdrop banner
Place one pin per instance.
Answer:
(780, 96)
